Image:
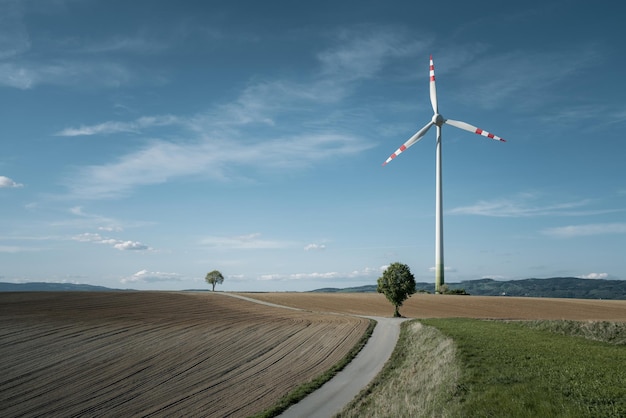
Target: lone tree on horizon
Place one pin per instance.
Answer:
(213, 278)
(397, 284)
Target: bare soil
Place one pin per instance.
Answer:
(169, 353)
(453, 306)
(158, 353)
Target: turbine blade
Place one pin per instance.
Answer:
(412, 140)
(433, 88)
(472, 128)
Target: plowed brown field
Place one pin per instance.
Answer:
(452, 306)
(158, 353)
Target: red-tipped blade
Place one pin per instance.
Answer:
(412, 140)
(433, 88)
(472, 128)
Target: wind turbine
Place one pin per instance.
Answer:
(438, 121)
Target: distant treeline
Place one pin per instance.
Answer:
(557, 287)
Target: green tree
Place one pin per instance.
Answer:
(213, 278)
(397, 284)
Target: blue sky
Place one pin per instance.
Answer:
(147, 143)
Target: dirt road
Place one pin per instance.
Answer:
(343, 387)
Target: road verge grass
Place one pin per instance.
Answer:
(305, 389)
(419, 379)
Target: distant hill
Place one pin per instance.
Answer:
(52, 287)
(368, 288)
(556, 287)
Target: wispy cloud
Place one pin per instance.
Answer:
(7, 183)
(135, 44)
(12, 249)
(14, 38)
(333, 275)
(363, 51)
(145, 276)
(113, 127)
(115, 243)
(25, 74)
(161, 161)
(244, 242)
(93, 220)
(25, 59)
(617, 116)
(572, 231)
(526, 205)
(314, 247)
(225, 142)
(522, 75)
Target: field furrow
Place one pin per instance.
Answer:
(158, 353)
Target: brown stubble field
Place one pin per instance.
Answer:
(174, 353)
(159, 353)
(453, 306)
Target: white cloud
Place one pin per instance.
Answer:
(145, 276)
(130, 246)
(115, 243)
(244, 242)
(7, 183)
(224, 141)
(162, 161)
(571, 231)
(315, 247)
(594, 276)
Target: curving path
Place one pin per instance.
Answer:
(341, 389)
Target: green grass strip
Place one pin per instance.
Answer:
(509, 369)
(418, 380)
(305, 389)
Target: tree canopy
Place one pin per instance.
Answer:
(397, 283)
(213, 278)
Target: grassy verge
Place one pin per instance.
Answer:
(419, 379)
(302, 391)
(466, 368)
(514, 370)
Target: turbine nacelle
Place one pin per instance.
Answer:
(438, 120)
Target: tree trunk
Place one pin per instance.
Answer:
(213, 287)
(396, 313)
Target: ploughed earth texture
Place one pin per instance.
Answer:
(204, 354)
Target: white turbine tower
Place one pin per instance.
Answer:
(438, 121)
